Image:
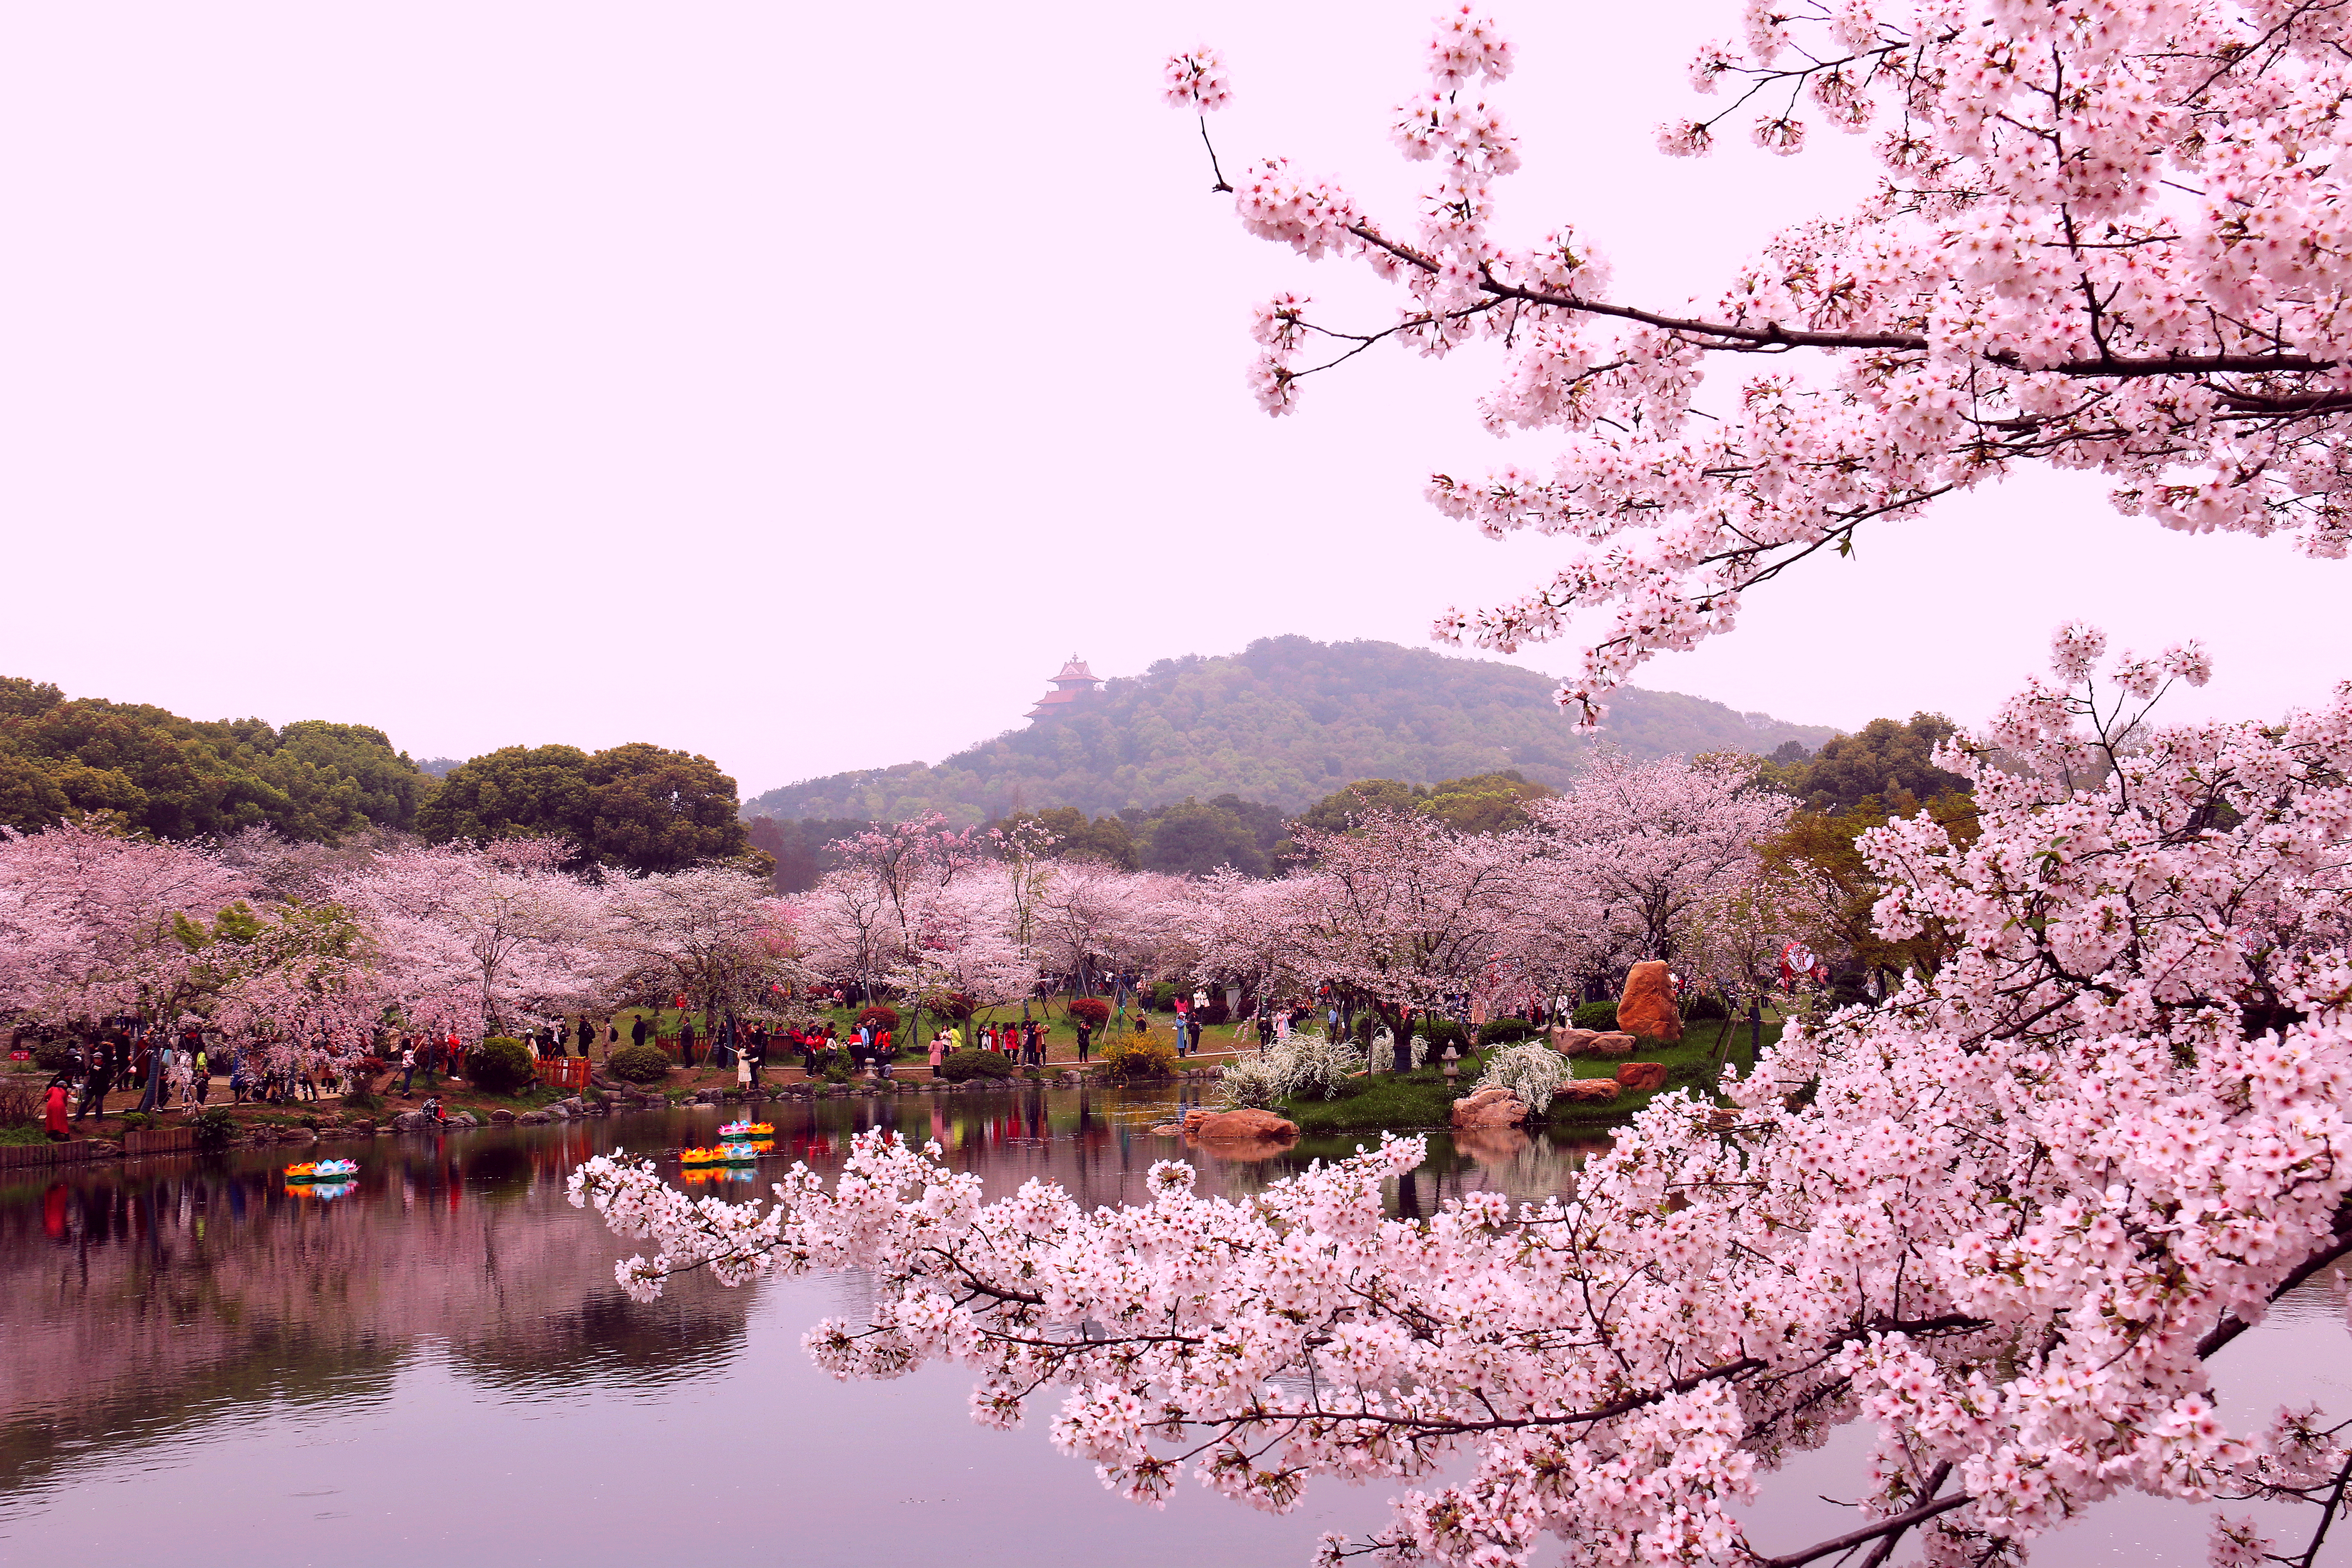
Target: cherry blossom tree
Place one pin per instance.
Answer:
(715, 933)
(472, 937)
(966, 939)
(2008, 1219)
(2103, 238)
(1637, 847)
(87, 921)
(1402, 912)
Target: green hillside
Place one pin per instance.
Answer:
(1285, 721)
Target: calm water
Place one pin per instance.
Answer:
(437, 1364)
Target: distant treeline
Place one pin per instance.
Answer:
(637, 807)
(1883, 763)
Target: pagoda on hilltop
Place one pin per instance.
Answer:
(1074, 684)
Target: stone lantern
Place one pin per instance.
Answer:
(1452, 1057)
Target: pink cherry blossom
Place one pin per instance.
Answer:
(2106, 236)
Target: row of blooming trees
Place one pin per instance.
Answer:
(315, 955)
(1397, 913)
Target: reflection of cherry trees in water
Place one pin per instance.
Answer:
(160, 1295)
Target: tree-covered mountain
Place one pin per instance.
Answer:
(1285, 721)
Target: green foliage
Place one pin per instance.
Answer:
(1602, 1016)
(1705, 1008)
(136, 1120)
(636, 807)
(53, 1055)
(1441, 1033)
(1285, 722)
(1106, 839)
(1885, 758)
(500, 1065)
(638, 1064)
(1505, 1031)
(836, 1073)
(1482, 803)
(214, 1128)
(1137, 1056)
(1192, 839)
(963, 1066)
(801, 849)
(178, 777)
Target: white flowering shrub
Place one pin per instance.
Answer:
(1253, 1083)
(1304, 1066)
(1533, 1072)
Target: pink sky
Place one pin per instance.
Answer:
(799, 386)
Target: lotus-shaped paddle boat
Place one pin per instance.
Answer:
(737, 1130)
(322, 1170)
(724, 1154)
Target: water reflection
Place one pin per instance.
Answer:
(406, 1332)
(162, 1296)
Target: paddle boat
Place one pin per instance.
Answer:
(322, 1170)
(735, 1132)
(724, 1154)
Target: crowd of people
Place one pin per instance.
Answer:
(175, 1073)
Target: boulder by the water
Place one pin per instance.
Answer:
(1636, 1076)
(1490, 1108)
(1647, 1007)
(1589, 1091)
(1211, 1126)
(412, 1121)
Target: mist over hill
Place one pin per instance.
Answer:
(1285, 721)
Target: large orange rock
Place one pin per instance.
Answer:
(1215, 1126)
(1636, 1076)
(1573, 1041)
(1647, 1007)
(1589, 1091)
(1490, 1108)
(1614, 1043)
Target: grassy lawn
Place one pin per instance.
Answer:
(1423, 1100)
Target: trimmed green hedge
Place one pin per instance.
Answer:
(963, 1066)
(638, 1064)
(1602, 1016)
(500, 1065)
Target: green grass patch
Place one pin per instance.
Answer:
(1423, 1100)
(1692, 1064)
(29, 1133)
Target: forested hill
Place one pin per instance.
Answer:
(1285, 721)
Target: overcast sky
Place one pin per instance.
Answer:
(800, 385)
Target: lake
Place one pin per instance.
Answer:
(206, 1365)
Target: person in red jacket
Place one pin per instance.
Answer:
(53, 1111)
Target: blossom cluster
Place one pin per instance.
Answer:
(2105, 237)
